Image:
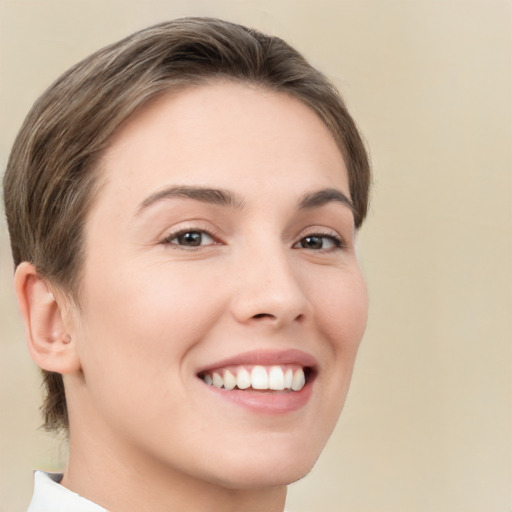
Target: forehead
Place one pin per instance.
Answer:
(223, 134)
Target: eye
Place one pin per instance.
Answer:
(189, 238)
(320, 242)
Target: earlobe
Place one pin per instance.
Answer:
(48, 338)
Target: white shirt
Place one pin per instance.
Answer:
(50, 496)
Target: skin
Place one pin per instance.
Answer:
(145, 432)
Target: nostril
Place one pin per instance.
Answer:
(265, 315)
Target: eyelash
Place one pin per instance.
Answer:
(168, 240)
(337, 241)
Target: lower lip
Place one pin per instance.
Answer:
(268, 402)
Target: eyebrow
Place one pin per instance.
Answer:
(324, 196)
(214, 196)
(226, 198)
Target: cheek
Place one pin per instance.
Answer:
(139, 330)
(153, 315)
(342, 318)
(343, 310)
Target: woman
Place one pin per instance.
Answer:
(182, 207)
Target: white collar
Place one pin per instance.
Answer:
(50, 496)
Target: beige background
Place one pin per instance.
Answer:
(427, 427)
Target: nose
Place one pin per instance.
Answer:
(269, 291)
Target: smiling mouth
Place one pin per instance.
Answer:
(284, 378)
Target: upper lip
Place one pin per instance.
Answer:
(264, 358)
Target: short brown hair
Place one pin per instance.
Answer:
(50, 178)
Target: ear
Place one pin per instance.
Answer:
(49, 342)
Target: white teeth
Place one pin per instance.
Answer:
(259, 378)
(229, 380)
(288, 378)
(276, 378)
(218, 382)
(299, 380)
(243, 379)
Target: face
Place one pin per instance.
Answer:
(220, 262)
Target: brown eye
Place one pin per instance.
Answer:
(319, 242)
(190, 239)
(312, 242)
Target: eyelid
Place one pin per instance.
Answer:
(338, 240)
(175, 233)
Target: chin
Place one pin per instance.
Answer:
(267, 467)
(253, 478)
